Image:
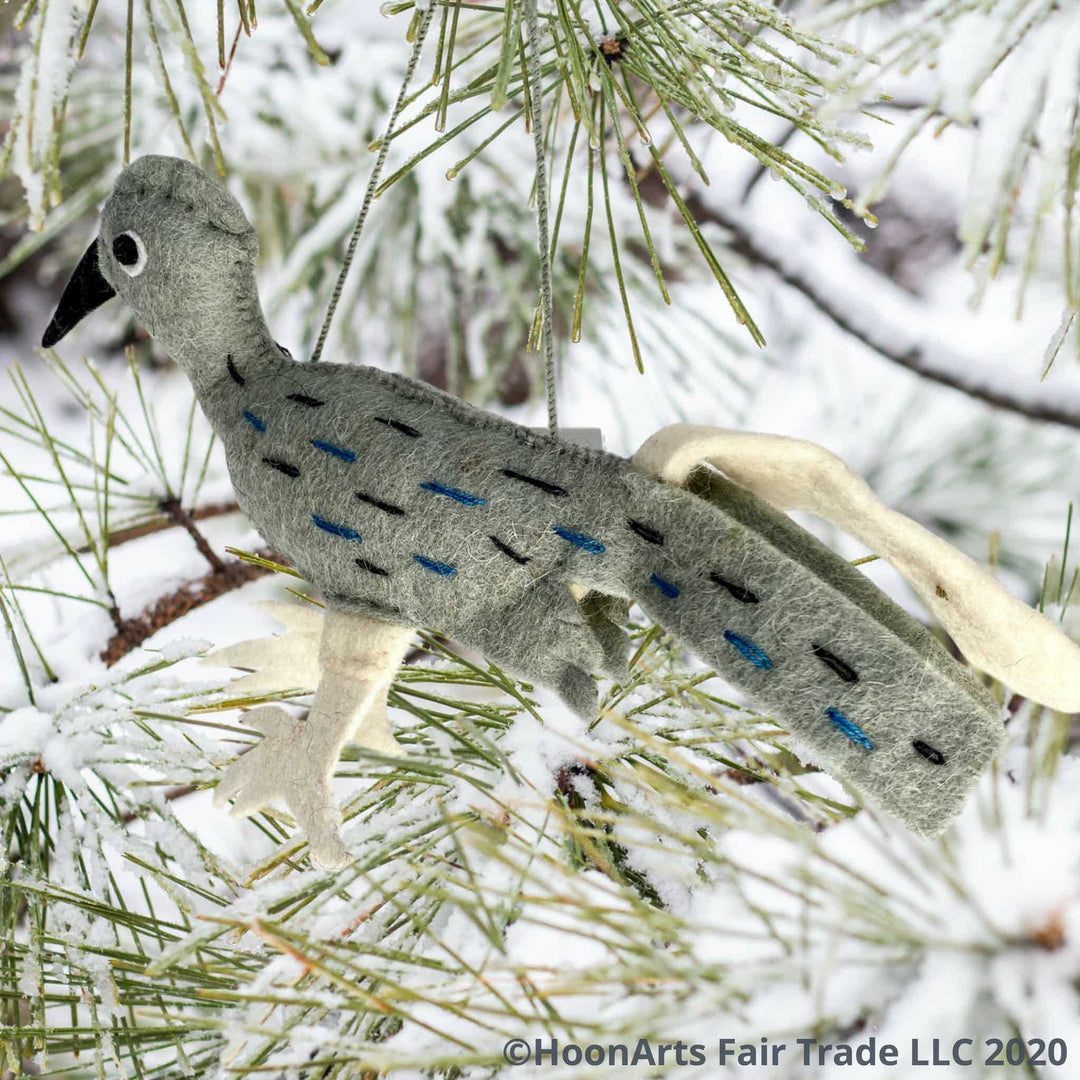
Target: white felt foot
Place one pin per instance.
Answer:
(291, 764)
(374, 731)
(288, 661)
(357, 660)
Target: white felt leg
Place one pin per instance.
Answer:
(997, 632)
(356, 649)
(358, 658)
(374, 731)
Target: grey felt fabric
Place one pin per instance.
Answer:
(399, 501)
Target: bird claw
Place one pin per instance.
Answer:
(294, 765)
(278, 662)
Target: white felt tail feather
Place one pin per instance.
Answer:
(995, 631)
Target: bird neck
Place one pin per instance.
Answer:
(225, 377)
(218, 334)
(219, 359)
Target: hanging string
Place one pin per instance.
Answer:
(373, 183)
(536, 119)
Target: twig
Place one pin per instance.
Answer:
(177, 604)
(914, 359)
(174, 793)
(179, 516)
(137, 532)
(228, 63)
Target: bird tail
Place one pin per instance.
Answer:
(867, 690)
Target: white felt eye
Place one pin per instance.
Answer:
(130, 252)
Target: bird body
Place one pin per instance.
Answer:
(404, 504)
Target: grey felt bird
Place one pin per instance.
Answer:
(408, 507)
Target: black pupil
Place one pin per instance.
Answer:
(126, 250)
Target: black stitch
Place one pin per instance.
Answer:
(397, 425)
(303, 399)
(646, 533)
(371, 568)
(528, 440)
(831, 660)
(744, 596)
(236, 376)
(543, 485)
(507, 550)
(283, 349)
(387, 508)
(282, 467)
(928, 752)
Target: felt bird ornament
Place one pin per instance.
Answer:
(406, 507)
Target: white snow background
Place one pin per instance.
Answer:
(862, 930)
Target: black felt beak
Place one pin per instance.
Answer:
(86, 290)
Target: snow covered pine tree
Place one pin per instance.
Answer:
(552, 188)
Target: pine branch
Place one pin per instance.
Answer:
(137, 532)
(934, 364)
(179, 516)
(132, 631)
(713, 66)
(971, 59)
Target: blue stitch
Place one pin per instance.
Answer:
(254, 421)
(586, 543)
(669, 590)
(849, 728)
(457, 495)
(334, 529)
(749, 650)
(436, 567)
(330, 448)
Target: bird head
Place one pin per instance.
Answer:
(175, 246)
